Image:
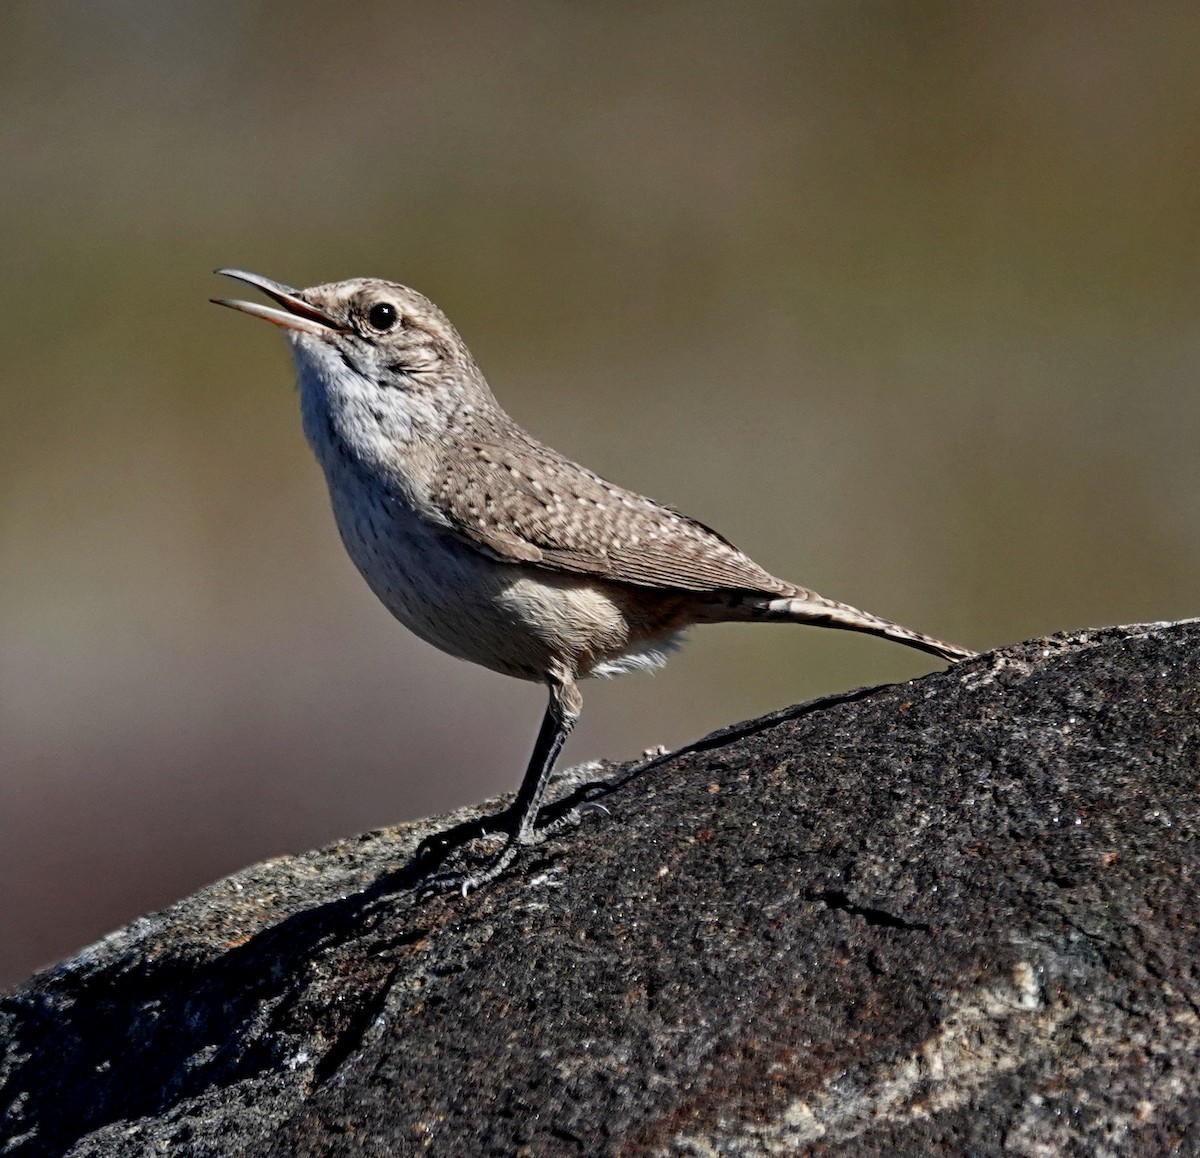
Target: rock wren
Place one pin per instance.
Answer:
(486, 542)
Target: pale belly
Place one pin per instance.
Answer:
(515, 619)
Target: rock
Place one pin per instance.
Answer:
(957, 915)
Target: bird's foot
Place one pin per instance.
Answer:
(455, 882)
(464, 882)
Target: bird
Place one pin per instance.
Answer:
(489, 544)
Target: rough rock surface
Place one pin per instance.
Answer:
(955, 916)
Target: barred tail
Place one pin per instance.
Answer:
(809, 607)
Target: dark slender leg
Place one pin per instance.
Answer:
(561, 713)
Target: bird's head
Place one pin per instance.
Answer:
(373, 357)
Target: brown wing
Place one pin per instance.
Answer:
(526, 503)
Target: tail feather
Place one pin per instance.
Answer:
(809, 607)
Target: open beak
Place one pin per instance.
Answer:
(296, 314)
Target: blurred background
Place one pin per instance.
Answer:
(901, 297)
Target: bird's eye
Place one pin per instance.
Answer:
(383, 316)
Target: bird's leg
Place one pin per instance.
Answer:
(562, 711)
